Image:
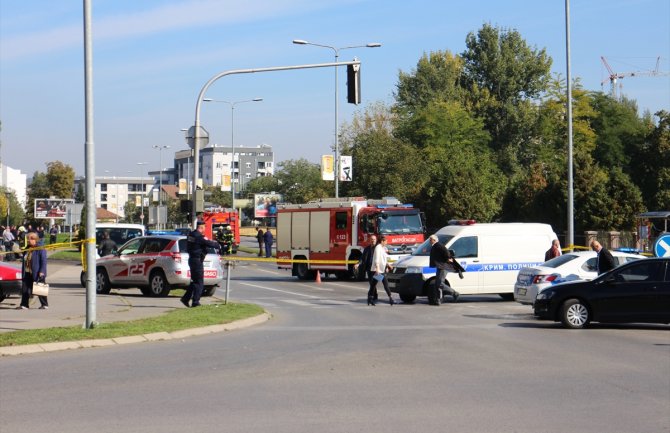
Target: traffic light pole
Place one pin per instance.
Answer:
(195, 144)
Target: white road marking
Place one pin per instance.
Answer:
(280, 291)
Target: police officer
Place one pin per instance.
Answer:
(197, 251)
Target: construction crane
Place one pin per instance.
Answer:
(613, 77)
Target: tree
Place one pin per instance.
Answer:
(60, 178)
(619, 131)
(503, 75)
(383, 165)
(463, 180)
(436, 78)
(300, 181)
(652, 165)
(217, 197)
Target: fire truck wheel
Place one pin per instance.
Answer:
(343, 275)
(407, 299)
(303, 273)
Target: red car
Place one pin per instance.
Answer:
(10, 280)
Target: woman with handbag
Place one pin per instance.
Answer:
(34, 270)
(380, 266)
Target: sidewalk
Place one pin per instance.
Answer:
(67, 303)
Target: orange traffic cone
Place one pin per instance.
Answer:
(318, 277)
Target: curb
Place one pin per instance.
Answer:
(156, 336)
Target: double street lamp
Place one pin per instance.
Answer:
(337, 137)
(232, 140)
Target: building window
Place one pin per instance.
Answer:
(103, 197)
(248, 165)
(103, 187)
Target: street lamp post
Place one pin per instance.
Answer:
(337, 135)
(139, 165)
(160, 179)
(232, 140)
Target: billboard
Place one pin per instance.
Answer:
(265, 205)
(51, 207)
(327, 170)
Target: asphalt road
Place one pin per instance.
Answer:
(327, 362)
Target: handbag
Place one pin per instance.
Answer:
(40, 289)
(378, 277)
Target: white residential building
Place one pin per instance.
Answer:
(14, 181)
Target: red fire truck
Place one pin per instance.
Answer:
(327, 235)
(220, 217)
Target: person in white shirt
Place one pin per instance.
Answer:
(379, 267)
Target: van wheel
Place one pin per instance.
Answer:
(506, 296)
(158, 284)
(407, 299)
(574, 314)
(102, 286)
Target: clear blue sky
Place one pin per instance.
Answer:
(151, 58)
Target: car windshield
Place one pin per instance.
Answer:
(399, 223)
(424, 248)
(559, 261)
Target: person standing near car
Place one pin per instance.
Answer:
(8, 240)
(443, 261)
(197, 246)
(107, 246)
(365, 265)
(34, 270)
(554, 251)
(605, 261)
(268, 239)
(260, 239)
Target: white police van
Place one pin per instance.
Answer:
(492, 255)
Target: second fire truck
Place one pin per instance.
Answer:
(329, 235)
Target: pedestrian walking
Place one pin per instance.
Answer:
(268, 239)
(379, 267)
(197, 246)
(443, 261)
(34, 270)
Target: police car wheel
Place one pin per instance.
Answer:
(102, 286)
(158, 284)
(408, 299)
(209, 291)
(506, 296)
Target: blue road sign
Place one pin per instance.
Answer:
(662, 246)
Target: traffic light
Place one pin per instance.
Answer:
(354, 84)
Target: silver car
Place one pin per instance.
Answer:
(155, 264)
(568, 267)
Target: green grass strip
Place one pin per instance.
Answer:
(175, 320)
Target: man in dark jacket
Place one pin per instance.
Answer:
(605, 261)
(259, 238)
(197, 246)
(443, 261)
(269, 239)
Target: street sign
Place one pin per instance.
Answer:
(203, 137)
(662, 246)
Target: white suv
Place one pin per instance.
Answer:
(154, 264)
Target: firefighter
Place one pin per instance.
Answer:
(228, 240)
